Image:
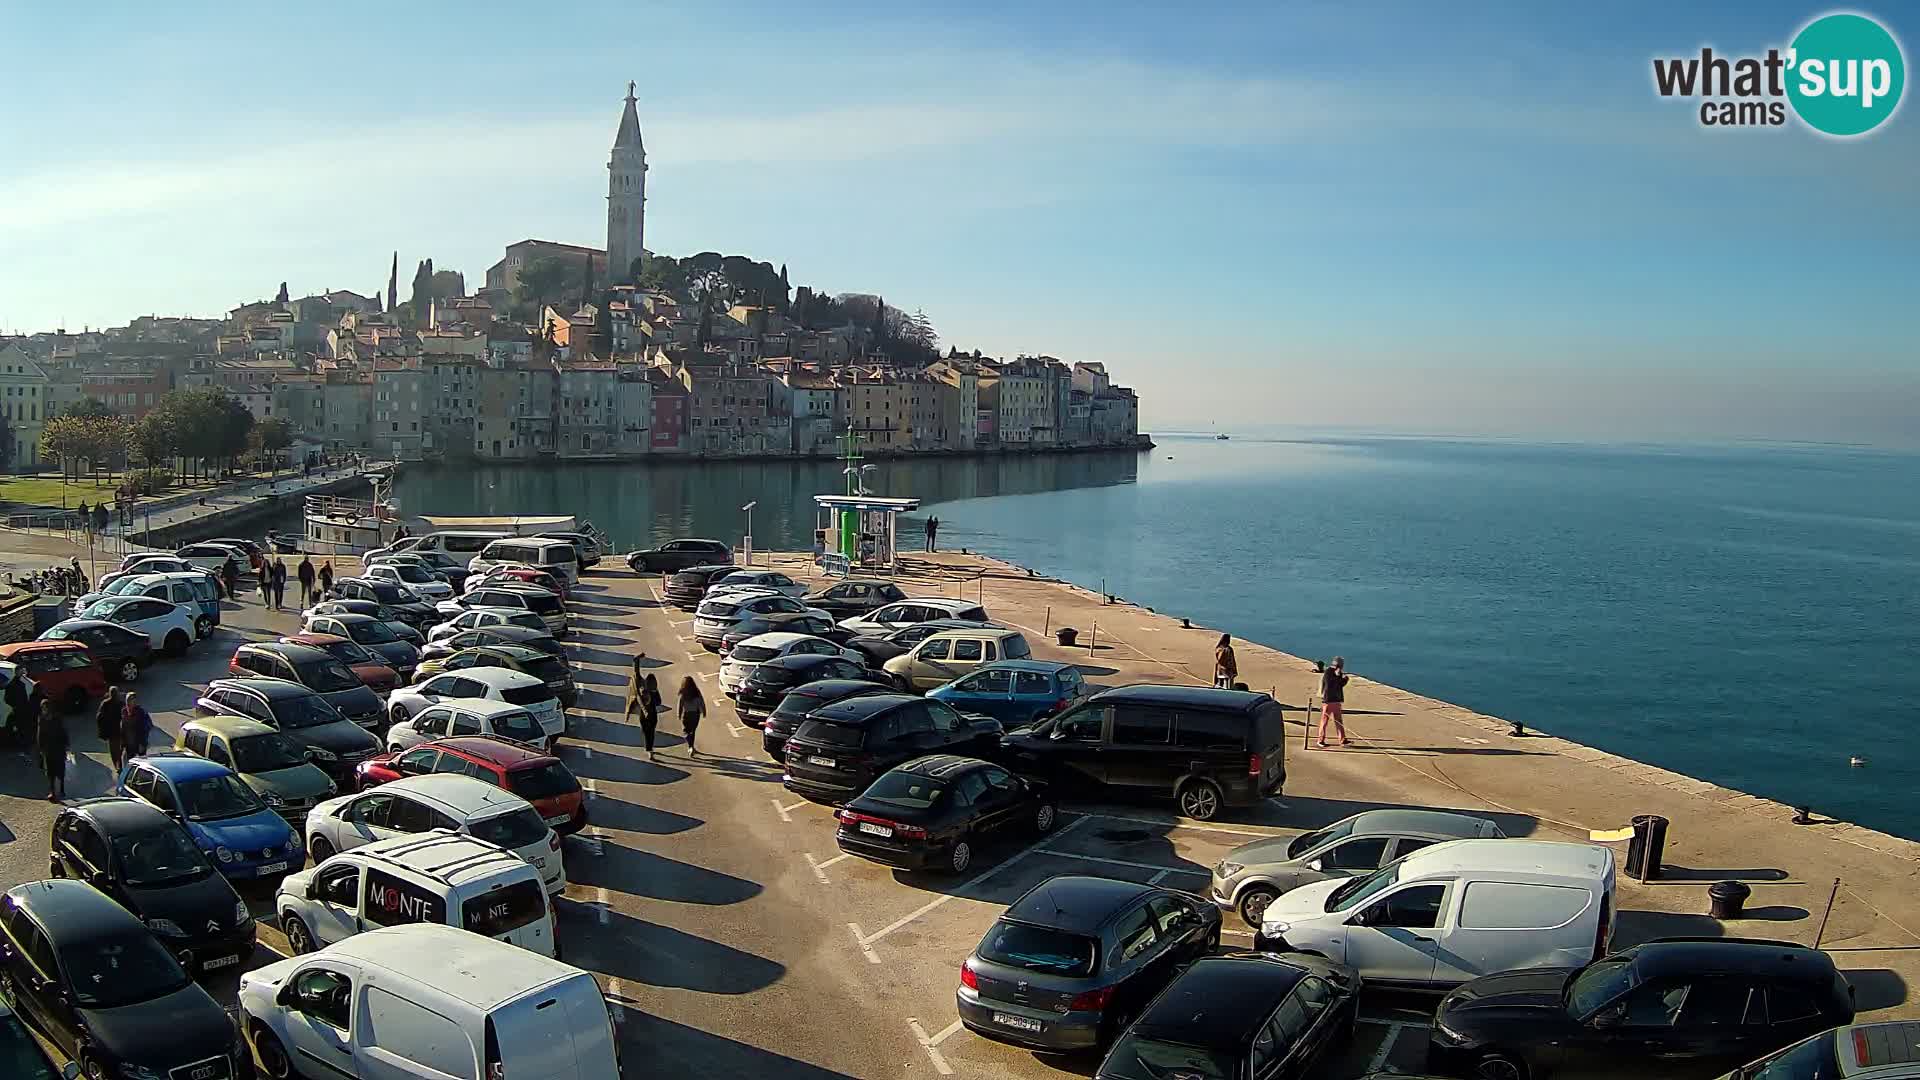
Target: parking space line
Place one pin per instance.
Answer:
(781, 810)
(817, 871)
(863, 943)
(928, 1044)
(1164, 870)
(735, 730)
(705, 674)
(837, 858)
(785, 810)
(605, 903)
(966, 888)
(1381, 1055)
(1194, 825)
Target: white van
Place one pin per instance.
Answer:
(556, 557)
(437, 876)
(1454, 912)
(430, 1002)
(451, 542)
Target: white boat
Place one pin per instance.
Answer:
(335, 526)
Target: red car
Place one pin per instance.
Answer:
(541, 779)
(65, 671)
(363, 661)
(531, 576)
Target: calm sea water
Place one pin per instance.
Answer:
(1744, 615)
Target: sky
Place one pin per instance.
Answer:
(1383, 216)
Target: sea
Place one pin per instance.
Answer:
(1744, 614)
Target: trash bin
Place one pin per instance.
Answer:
(1649, 843)
(1065, 635)
(1729, 899)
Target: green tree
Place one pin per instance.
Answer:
(543, 281)
(151, 441)
(270, 437)
(61, 439)
(90, 406)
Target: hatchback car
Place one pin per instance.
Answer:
(840, 749)
(537, 640)
(855, 596)
(541, 779)
(491, 684)
(147, 563)
(449, 567)
(685, 589)
(375, 635)
(192, 590)
(85, 971)
(755, 651)
(883, 620)
(552, 670)
(146, 861)
(950, 654)
(515, 574)
(798, 702)
(772, 581)
(1071, 963)
(397, 626)
(405, 605)
(461, 804)
(770, 682)
(478, 617)
(169, 626)
(278, 767)
(791, 622)
(214, 558)
(1247, 1014)
(413, 577)
(121, 652)
(934, 812)
(1015, 692)
(65, 671)
(371, 669)
(719, 616)
(225, 818)
(318, 671)
(336, 743)
(466, 716)
(678, 555)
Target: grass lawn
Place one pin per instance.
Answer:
(44, 489)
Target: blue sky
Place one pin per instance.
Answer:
(1379, 217)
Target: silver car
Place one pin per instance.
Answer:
(1252, 875)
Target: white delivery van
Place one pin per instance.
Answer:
(431, 1002)
(1455, 911)
(556, 557)
(436, 877)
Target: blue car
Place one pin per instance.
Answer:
(1014, 692)
(242, 836)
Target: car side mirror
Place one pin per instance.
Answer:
(1610, 1018)
(286, 996)
(1316, 866)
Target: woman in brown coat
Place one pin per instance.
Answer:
(692, 707)
(1225, 668)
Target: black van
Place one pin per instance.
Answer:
(1206, 748)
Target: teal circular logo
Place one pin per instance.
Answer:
(1847, 74)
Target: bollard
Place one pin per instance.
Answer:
(1048, 626)
(1727, 899)
(1065, 636)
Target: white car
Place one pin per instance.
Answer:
(146, 563)
(718, 616)
(410, 576)
(169, 626)
(772, 581)
(542, 602)
(414, 804)
(490, 684)
(751, 653)
(214, 557)
(475, 618)
(901, 613)
(464, 716)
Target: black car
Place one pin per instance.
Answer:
(121, 651)
(685, 589)
(679, 555)
(1207, 749)
(403, 603)
(370, 609)
(1070, 964)
(841, 748)
(83, 970)
(318, 671)
(1247, 1014)
(767, 685)
(880, 648)
(1678, 1006)
(801, 700)
(379, 636)
(504, 634)
(854, 596)
(933, 812)
(144, 859)
(785, 622)
(338, 745)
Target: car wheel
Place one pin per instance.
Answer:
(91, 1068)
(1200, 800)
(1044, 818)
(273, 1056)
(1253, 904)
(397, 716)
(178, 642)
(299, 938)
(54, 869)
(129, 670)
(1499, 1067)
(320, 850)
(203, 625)
(76, 699)
(960, 857)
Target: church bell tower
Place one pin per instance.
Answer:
(626, 198)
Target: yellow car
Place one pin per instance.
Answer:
(552, 670)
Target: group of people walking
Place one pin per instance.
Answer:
(644, 700)
(273, 581)
(123, 724)
(1332, 691)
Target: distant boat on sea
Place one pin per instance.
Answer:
(1220, 438)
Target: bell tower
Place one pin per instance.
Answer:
(626, 197)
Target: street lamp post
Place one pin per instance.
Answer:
(747, 542)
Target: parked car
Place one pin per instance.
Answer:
(434, 877)
(192, 590)
(685, 589)
(552, 670)
(493, 684)
(1454, 912)
(65, 671)
(20, 1052)
(370, 668)
(169, 626)
(150, 865)
(518, 597)
(890, 617)
(586, 546)
(526, 637)
(716, 617)
(1207, 749)
(557, 557)
(541, 779)
(771, 682)
(840, 749)
(460, 804)
(792, 622)
(1014, 692)
(1880, 1051)
(376, 635)
(678, 555)
(121, 651)
(748, 579)
(1071, 962)
(456, 543)
(405, 605)
(225, 818)
(251, 550)
(1686, 1004)
(754, 651)
(881, 648)
(943, 657)
(934, 812)
(855, 596)
(465, 716)
(1243, 1014)
(555, 1017)
(337, 743)
(147, 563)
(87, 973)
(400, 628)
(416, 579)
(318, 671)
(515, 574)
(476, 617)
(278, 767)
(214, 558)
(450, 568)
(802, 700)
(1253, 874)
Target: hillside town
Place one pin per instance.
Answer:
(569, 352)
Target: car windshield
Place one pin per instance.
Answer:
(1600, 983)
(1134, 1058)
(543, 781)
(829, 733)
(798, 703)
(102, 608)
(1308, 841)
(388, 593)
(543, 604)
(123, 585)
(413, 574)
(211, 798)
(526, 695)
(266, 753)
(526, 619)
(1360, 889)
(305, 711)
(348, 652)
(20, 1056)
(158, 857)
(774, 675)
(906, 789)
(512, 830)
(326, 676)
(518, 726)
(1038, 948)
(1814, 1059)
(120, 969)
(371, 632)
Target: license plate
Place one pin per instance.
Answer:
(877, 830)
(1020, 1023)
(225, 961)
(557, 819)
(273, 868)
(827, 761)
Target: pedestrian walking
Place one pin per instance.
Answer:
(279, 583)
(136, 727)
(650, 713)
(933, 533)
(305, 574)
(265, 575)
(326, 578)
(86, 516)
(106, 724)
(1225, 668)
(1333, 699)
(52, 742)
(692, 707)
(634, 684)
(230, 577)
